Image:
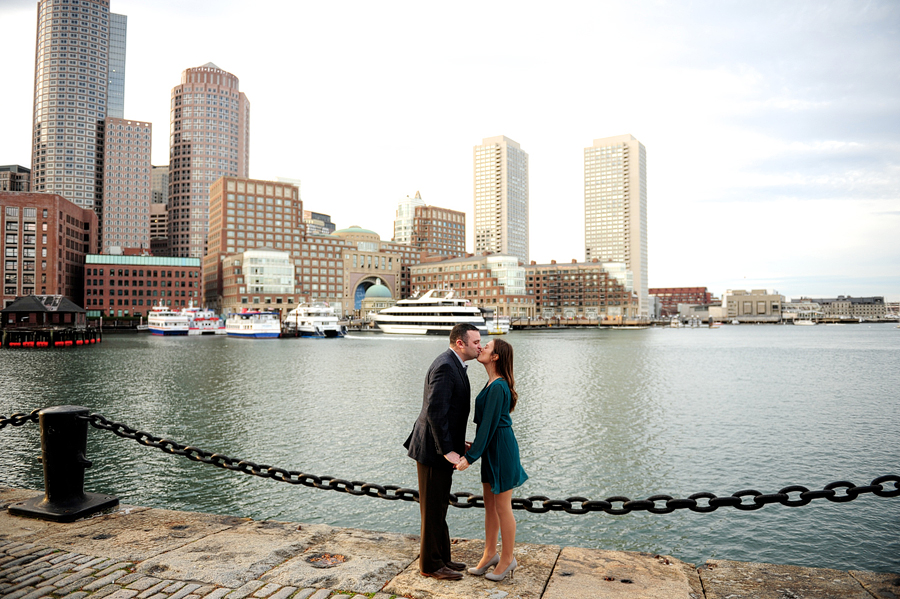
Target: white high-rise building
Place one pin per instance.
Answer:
(501, 198)
(404, 221)
(615, 207)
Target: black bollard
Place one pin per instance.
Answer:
(63, 449)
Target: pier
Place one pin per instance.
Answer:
(135, 552)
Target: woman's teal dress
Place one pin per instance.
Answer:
(495, 441)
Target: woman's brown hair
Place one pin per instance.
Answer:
(504, 353)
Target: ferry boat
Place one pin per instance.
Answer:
(313, 320)
(434, 313)
(163, 320)
(254, 325)
(203, 322)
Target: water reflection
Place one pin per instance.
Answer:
(601, 413)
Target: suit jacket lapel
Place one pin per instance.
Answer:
(459, 366)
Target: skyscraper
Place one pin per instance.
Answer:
(404, 227)
(126, 184)
(501, 198)
(118, 29)
(72, 56)
(615, 207)
(209, 138)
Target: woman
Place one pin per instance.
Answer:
(501, 470)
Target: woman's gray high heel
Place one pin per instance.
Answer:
(480, 571)
(508, 572)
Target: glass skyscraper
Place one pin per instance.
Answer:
(501, 198)
(118, 27)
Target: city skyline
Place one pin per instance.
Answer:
(792, 111)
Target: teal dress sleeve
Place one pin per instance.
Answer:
(490, 419)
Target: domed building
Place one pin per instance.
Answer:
(369, 262)
(377, 297)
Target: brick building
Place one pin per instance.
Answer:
(670, 297)
(44, 243)
(131, 285)
(495, 281)
(581, 290)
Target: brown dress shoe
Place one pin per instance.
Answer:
(458, 566)
(443, 574)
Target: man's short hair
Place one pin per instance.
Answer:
(461, 331)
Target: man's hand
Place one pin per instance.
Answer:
(452, 457)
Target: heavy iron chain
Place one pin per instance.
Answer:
(616, 506)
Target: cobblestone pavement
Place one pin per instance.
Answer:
(29, 571)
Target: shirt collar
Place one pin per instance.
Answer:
(464, 365)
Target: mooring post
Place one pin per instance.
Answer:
(63, 454)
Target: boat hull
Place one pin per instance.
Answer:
(252, 335)
(168, 332)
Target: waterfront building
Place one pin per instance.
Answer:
(248, 214)
(581, 290)
(159, 184)
(119, 285)
(615, 207)
(501, 198)
(209, 138)
(259, 279)
(15, 178)
(670, 297)
(317, 223)
(801, 309)
(377, 298)
(367, 261)
(45, 239)
(495, 281)
(757, 305)
(845, 306)
(125, 217)
(42, 311)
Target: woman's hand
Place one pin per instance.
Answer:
(462, 464)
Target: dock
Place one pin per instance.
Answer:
(134, 552)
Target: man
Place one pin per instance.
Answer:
(437, 441)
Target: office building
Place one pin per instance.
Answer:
(495, 282)
(71, 99)
(501, 198)
(159, 184)
(756, 305)
(404, 218)
(126, 185)
(259, 279)
(118, 30)
(44, 243)
(594, 290)
(317, 223)
(15, 178)
(209, 138)
(123, 286)
(615, 207)
(845, 306)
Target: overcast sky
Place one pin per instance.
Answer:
(772, 128)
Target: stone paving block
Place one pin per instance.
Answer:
(185, 591)
(535, 565)
(617, 574)
(320, 594)
(267, 590)
(90, 562)
(153, 590)
(18, 594)
(372, 559)
(108, 579)
(218, 593)
(881, 585)
(105, 591)
(304, 594)
(129, 578)
(139, 534)
(122, 594)
(39, 592)
(76, 595)
(67, 585)
(204, 590)
(740, 580)
(142, 583)
(238, 555)
(283, 593)
(173, 587)
(245, 589)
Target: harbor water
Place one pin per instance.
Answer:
(601, 414)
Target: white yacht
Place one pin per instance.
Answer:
(254, 325)
(434, 313)
(163, 320)
(313, 320)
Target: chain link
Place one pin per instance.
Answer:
(746, 500)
